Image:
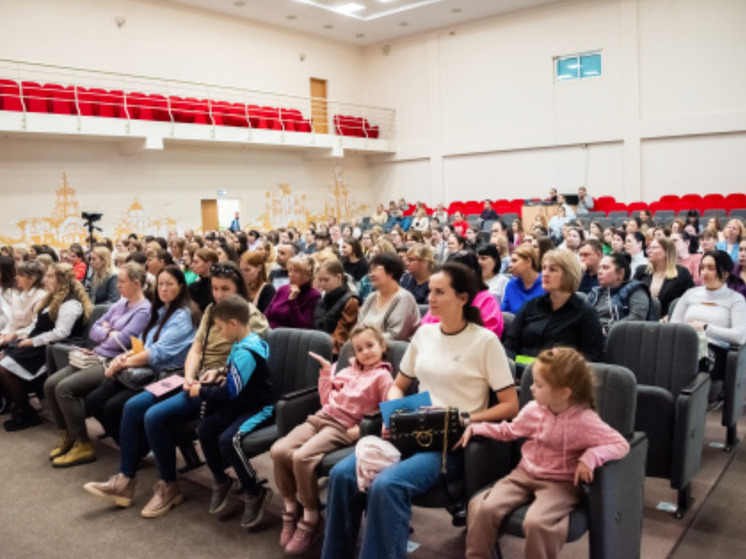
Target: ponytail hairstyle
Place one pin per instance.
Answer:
(464, 280)
(566, 368)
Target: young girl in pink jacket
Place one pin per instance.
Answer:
(345, 398)
(567, 441)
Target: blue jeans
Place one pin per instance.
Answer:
(388, 507)
(147, 421)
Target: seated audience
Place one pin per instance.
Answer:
(459, 363)
(526, 282)
(732, 235)
(336, 313)
(390, 308)
(24, 299)
(421, 221)
(66, 388)
(77, 259)
(294, 303)
(490, 264)
(591, 252)
(102, 282)
(200, 291)
(666, 279)
(685, 256)
(166, 340)
(559, 317)
(346, 396)
(365, 287)
(718, 312)
(634, 245)
(254, 271)
(352, 258)
(380, 217)
(279, 276)
(61, 314)
(419, 264)
(7, 288)
(617, 298)
(488, 212)
(459, 224)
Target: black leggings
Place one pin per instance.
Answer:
(106, 403)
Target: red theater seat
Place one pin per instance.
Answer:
(10, 96)
(138, 106)
(34, 98)
(61, 100)
(86, 101)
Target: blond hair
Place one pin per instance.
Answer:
(66, 285)
(572, 274)
(669, 248)
(422, 252)
(97, 279)
(303, 263)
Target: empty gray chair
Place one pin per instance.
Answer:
(612, 508)
(734, 385)
(508, 218)
(738, 213)
(487, 225)
(664, 217)
(595, 215)
(671, 397)
(619, 213)
(605, 222)
(718, 213)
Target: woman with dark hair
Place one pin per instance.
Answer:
(28, 293)
(166, 340)
(737, 280)
(200, 291)
(456, 244)
(666, 279)
(692, 217)
(490, 265)
(559, 317)
(617, 298)
(489, 311)
(336, 312)
(685, 256)
(717, 311)
(7, 288)
(390, 308)
(352, 259)
(255, 276)
(541, 246)
(62, 314)
(634, 245)
(227, 252)
(459, 363)
(150, 422)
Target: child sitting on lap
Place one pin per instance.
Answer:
(345, 397)
(567, 440)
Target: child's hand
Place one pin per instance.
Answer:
(353, 433)
(209, 376)
(583, 473)
(385, 433)
(325, 365)
(194, 389)
(464, 440)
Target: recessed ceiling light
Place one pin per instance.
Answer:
(360, 35)
(456, 10)
(239, 3)
(328, 26)
(403, 24)
(291, 17)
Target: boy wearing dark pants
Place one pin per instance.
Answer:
(242, 394)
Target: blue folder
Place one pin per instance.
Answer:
(408, 403)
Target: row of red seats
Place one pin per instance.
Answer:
(71, 100)
(355, 126)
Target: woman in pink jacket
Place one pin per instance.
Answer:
(567, 441)
(345, 397)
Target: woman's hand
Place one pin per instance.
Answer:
(26, 343)
(465, 438)
(194, 389)
(698, 325)
(353, 433)
(294, 292)
(326, 366)
(583, 473)
(116, 365)
(112, 334)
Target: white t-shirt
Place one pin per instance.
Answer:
(457, 369)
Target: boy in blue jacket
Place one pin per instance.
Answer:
(239, 398)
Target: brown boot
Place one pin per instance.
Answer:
(63, 447)
(165, 496)
(119, 487)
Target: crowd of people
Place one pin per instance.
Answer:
(183, 340)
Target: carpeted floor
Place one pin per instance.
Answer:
(45, 513)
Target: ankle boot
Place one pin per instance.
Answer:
(80, 453)
(63, 447)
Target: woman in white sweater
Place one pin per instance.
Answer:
(716, 310)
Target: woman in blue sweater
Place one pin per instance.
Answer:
(526, 282)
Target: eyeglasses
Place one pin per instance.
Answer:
(224, 269)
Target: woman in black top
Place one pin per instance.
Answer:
(200, 291)
(352, 258)
(666, 279)
(254, 274)
(337, 310)
(559, 317)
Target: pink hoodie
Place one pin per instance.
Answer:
(556, 443)
(351, 393)
(492, 316)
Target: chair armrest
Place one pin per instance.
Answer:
(485, 461)
(58, 356)
(615, 504)
(734, 384)
(689, 434)
(371, 424)
(293, 408)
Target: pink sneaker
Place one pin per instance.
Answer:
(289, 522)
(305, 536)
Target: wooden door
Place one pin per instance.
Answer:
(210, 220)
(319, 112)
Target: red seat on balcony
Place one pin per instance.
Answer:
(10, 96)
(34, 98)
(181, 109)
(86, 101)
(139, 107)
(60, 100)
(201, 110)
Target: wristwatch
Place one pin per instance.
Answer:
(465, 419)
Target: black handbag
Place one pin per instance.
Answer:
(426, 430)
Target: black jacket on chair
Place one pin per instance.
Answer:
(672, 288)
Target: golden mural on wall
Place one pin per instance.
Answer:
(284, 208)
(59, 230)
(137, 221)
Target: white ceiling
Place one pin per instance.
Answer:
(377, 22)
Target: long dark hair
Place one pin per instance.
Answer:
(7, 272)
(464, 280)
(183, 300)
